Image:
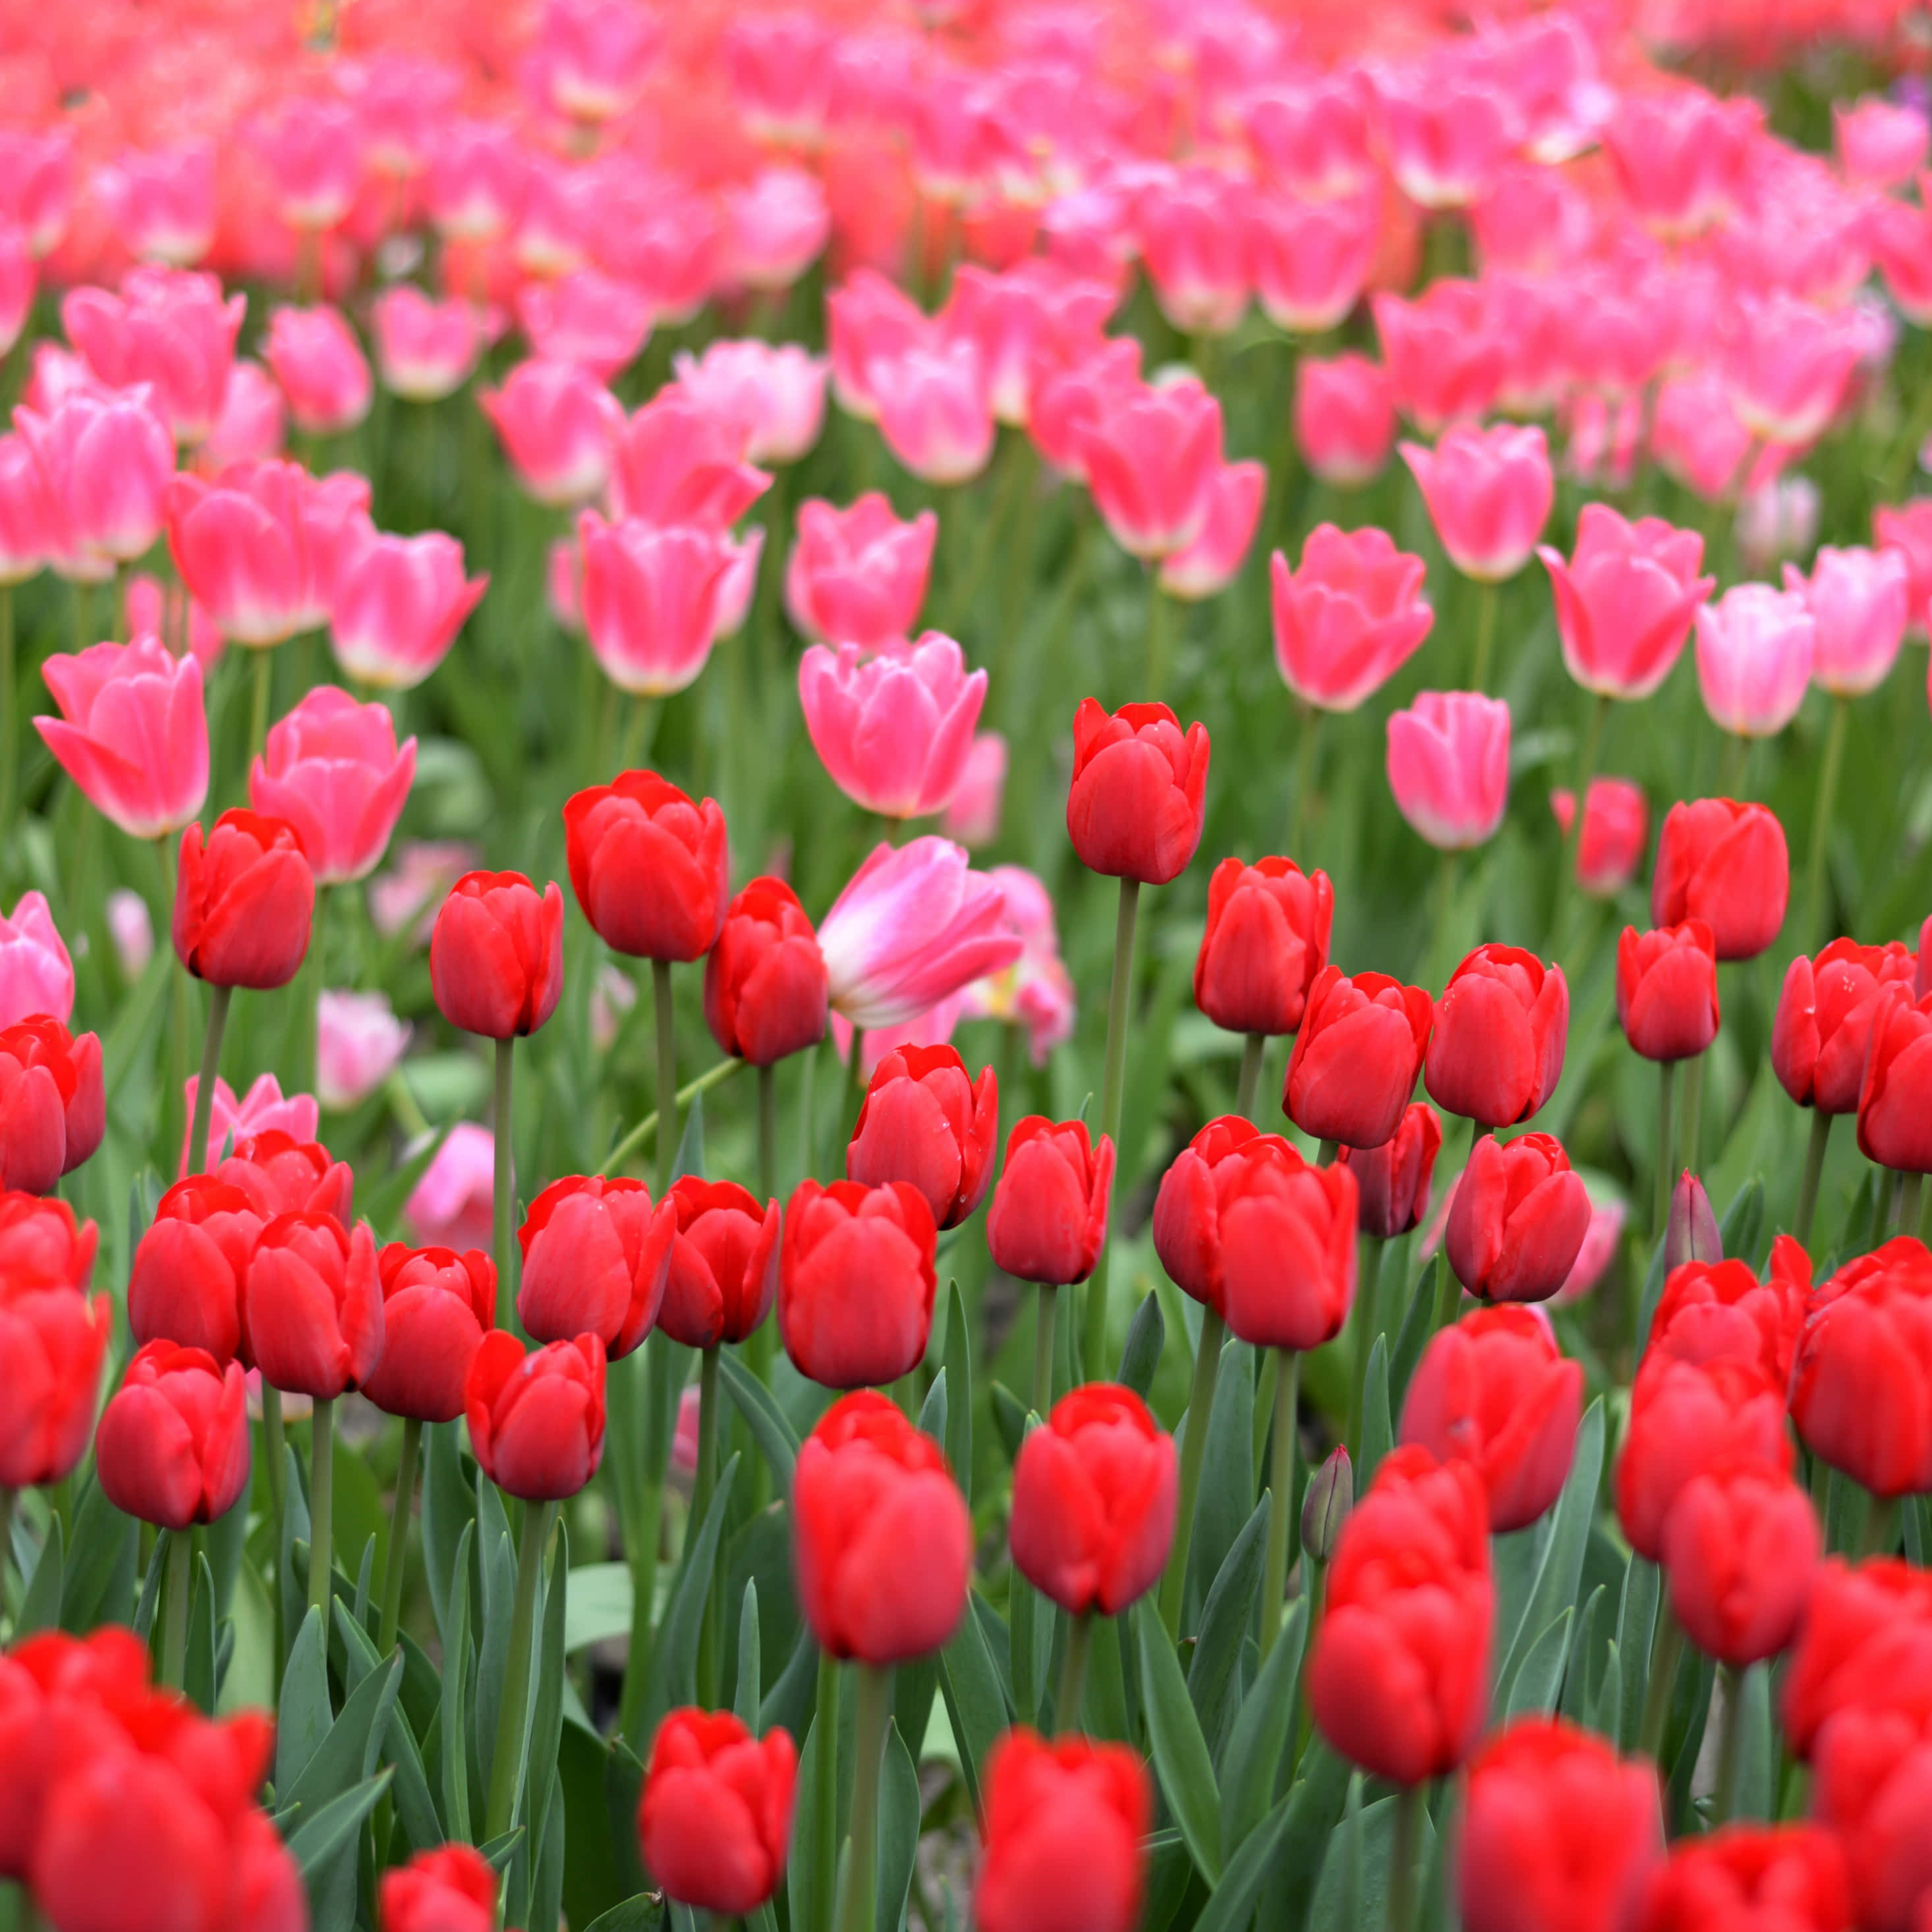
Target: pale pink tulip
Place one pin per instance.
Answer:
(776, 225)
(1448, 134)
(415, 887)
(359, 1043)
(1880, 144)
(869, 320)
(131, 929)
(162, 201)
(450, 1207)
(563, 583)
(1625, 599)
(1349, 618)
(1696, 437)
(972, 815)
(895, 731)
(322, 369)
(1035, 991)
(1207, 565)
(168, 328)
(934, 411)
(132, 732)
(1448, 766)
(313, 150)
(588, 318)
(252, 424)
(654, 600)
(1153, 455)
(1490, 493)
(1789, 366)
(26, 539)
(1190, 230)
(1344, 417)
(1858, 602)
(777, 394)
(263, 1109)
(475, 182)
(935, 1026)
(858, 575)
(399, 604)
(914, 925)
(105, 464)
(1616, 834)
(1754, 659)
(592, 57)
(36, 973)
(559, 427)
(1309, 260)
(332, 768)
(1026, 323)
(424, 350)
(680, 462)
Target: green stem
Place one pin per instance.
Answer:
(644, 1134)
(321, 1498)
(1094, 1347)
(1665, 1651)
(1566, 868)
(1486, 632)
(858, 1900)
(639, 731)
(1193, 1446)
(258, 715)
(1072, 1673)
(1733, 764)
(705, 1483)
(1281, 1495)
(1693, 1108)
(1403, 1856)
(1814, 1168)
(1304, 778)
(503, 1233)
(274, 1447)
(1909, 1191)
(825, 1755)
(1154, 679)
(1045, 1306)
(1363, 1324)
(210, 1063)
(768, 1134)
(174, 1609)
(399, 1538)
(1730, 1744)
(513, 1715)
(1324, 1154)
(1667, 1087)
(1250, 1082)
(666, 1147)
(642, 1529)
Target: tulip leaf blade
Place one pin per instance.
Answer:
(959, 1373)
(640, 1914)
(1009, 1418)
(1223, 1501)
(1180, 1756)
(975, 1706)
(1252, 1763)
(1539, 1675)
(449, 1507)
(103, 1547)
(414, 1804)
(1412, 1338)
(317, 1838)
(200, 1680)
(1560, 1574)
(303, 1718)
(1314, 1809)
(1225, 1619)
(541, 1790)
(1146, 1337)
(674, 1674)
(1232, 1905)
(453, 1718)
(40, 1608)
(770, 1426)
(932, 1411)
(750, 1664)
(1578, 1690)
(898, 1830)
(1378, 1424)
(690, 1157)
(1376, 1825)
(1636, 1622)
(1742, 1228)
(346, 1755)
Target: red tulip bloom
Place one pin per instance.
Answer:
(1717, 1311)
(190, 1266)
(244, 901)
(43, 1245)
(1139, 791)
(452, 1888)
(53, 1107)
(1048, 1219)
(1392, 1180)
(1751, 1878)
(172, 1447)
(52, 1341)
(724, 1271)
(1356, 1057)
(1866, 1637)
(1825, 1012)
(282, 1175)
(856, 1281)
(1728, 865)
(765, 986)
(1895, 1100)
(437, 1306)
(1667, 990)
(1871, 1784)
(1501, 1024)
(536, 1420)
(1266, 940)
(496, 955)
(1518, 1220)
(922, 1121)
(714, 1823)
(312, 1306)
(596, 1257)
(1740, 1545)
(648, 866)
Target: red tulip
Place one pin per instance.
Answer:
(1048, 1219)
(495, 956)
(1496, 1052)
(1398, 1671)
(882, 1540)
(1494, 1391)
(52, 1341)
(173, 1444)
(1244, 1224)
(596, 1256)
(1093, 1502)
(923, 1121)
(1825, 1016)
(1751, 1878)
(452, 1888)
(765, 990)
(1266, 939)
(1740, 1545)
(1518, 1220)
(1667, 990)
(536, 1420)
(1356, 1057)
(714, 1823)
(1139, 791)
(437, 1306)
(723, 1271)
(243, 902)
(1726, 864)
(648, 866)
(282, 1175)
(191, 1265)
(312, 1306)
(1392, 1180)
(1871, 1784)
(1866, 1637)
(42, 1245)
(53, 1108)
(1895, 1100)
(856, 1281)
(1715, 1311)
(1616, 830)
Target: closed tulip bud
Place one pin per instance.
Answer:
(1691, 1232)
(1188, 224)
(1823, 1025)
(53, 1106)
(1139, 791)
(1344, 417)
(1356, 1057)
(1616, 828)
(36, 971)
(1860, 603)
(856, 1281)
(558, 426)
(536, 1420)
(1728, 865)
(924, 1120)
(172, 1448)
(1740, 1545)
(1242, 1223)
(1518, 1220)
(495, 956)
(424, 350)
(437, 1306)
(1326, 1504)
(1494, 1391)
(1557, 1830)
(648, 866)
(452, 1888)
(765, 986)
(1448, 766)
(596, 1257)
(1349, 618)
(399, 603)
(1151, 454)
(1048, 1219)
(1093, 1502)
(723, 1271)
(1713, 1310)
(1489, 492)
(322, 369)
(333, 770)
(1399, 1668)
(1895, 1100)
(1501, 1024)
(1066, 1826)
(858, 576)
(1392, 1180)
(882, 1540)
(312, 1306)
(1667, 990)
(1749, 1878)
(191, 1264)
(714, 1823)
(1311, 259)
(244, 901)
(655, 600)
(52, 1342)
(1266, 939)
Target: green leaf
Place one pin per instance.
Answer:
(600, 1604)
(1233, 1902)
(770, 1426)
(623, 1781)
(974, 1705)
(643, 1913)
(198, 1683)
(540, 1788)
(1185, 1771)
(807, 1910)
(1413, 1336)
(898, 1830)
(932, 1411)
(381, 1205)
(92, 1587)
(1578, 1690)
(1377, 1429)
(1314, 1807)
(1757, 1747)
(1540, 1675)
(148, 1607)
(40, 1608)
(1742, 1227)
(1227, 1470)
(1029, 1645)
(959, 1373)
(295, 1530)
(304, 1718)
(750, 1666)
(315, 1840)
(1009, 1418)
(449, 1507)
(1146, 1337)
(1224, 1622)
(788, 1700)
(347, 1754)
(1636, 1622)
(122, 1049)
(1378, 1830)
(1561, 1569)
(1684, 1735)
(497, 1572)
(674, 1655)
(414, 1804)
(1262, 1729)
(453, 1714)
(691, 1143)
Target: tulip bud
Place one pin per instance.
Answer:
(1692, 1235)
(450, 1889)
(244, 901)
(1325, 1505)
(715, 1819)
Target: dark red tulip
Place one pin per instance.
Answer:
(1048, 1219)
(244, 901)
(1392, 1181)
(1823, 1025)
(1139, 791)
(765, 993)
(1667, 990)
(924, 1121)
(1895, 1100)
(312, 1306)
(1751, 1878)
(714, 1823)
(52, 1341)
(1728, 865)
(536, 1420)
(452, 1888)
(1356, 1057)
(437, 1306)
(648, 866)
(1518, 1220)
(496, 955)
(53, 1107)
(1267, 939)
(282, 1175)
(191, 1265)
(1740, 1545)
(1496, 1052)
(724, 1271)
(596, 1256)
(172, 1447)
(856, 1281)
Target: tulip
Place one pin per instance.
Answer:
(244, 901)
(1518, 1220)
(1501, 1024)
(1667, 990)
(858, 576)
(312, 149)
(1035, 991)
(1068, 404)
(536, 1420)
(1356, 1057)
(882, 1540)
(1488, 494)
(679, 462)
(1047, 1222)
(1789, 365)
(451, 1205)
(452, 1888)
(36, 973)
(399, 602)
(724, 1268)
(1681, 156)
(765, 990)
(424, 350)
(1207, 566)
(132, 734)
(1344, 418)
(173, 332)
(1625, 600)
(1314, 135)
(776, 395)
(52, 1342)
(359, 1043)
(1349, 618)
(1190, 231)
(1750, 1875)
(251, 426)
(1024, 322)
(320, 365)
(653, 601)
(162, 201)
(648, 866)
(1392, 1180)
(332, 770)
(1616, 830)
(262, 1110)
(715, 1820)
(1893, 1123)
(173, 1443)
(1266, 942)
(53, 1109)
(856, 1281)
(1825, 1012)
(1327, 1504)
(26, 535)
(1713, 1309)
(923, 1121)
(1445, 354)
(587, 318)
(1907, 529)
(596, 1257)
(312, 1305)
(1494, 1390)
(495, 958)
(869, 320)
(934, 411)
(281, 1175)
(1399, 1665)
(1880, 144)
(1135, 807)
(437, 1306)
(1448, 766)
(558, 426)
(894, 732)
(776, 225)
(1725, 864)
(1557, 1830)
(972, 814)
(1152, 456)
(1754, 649)
(1740, 1545)
(1691, 1234)
(104, 462)
(1310, 260)
(1866, 1628)
(191, 1265)
(1858, 602)
(1448, 133)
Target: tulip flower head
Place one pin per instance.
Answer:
(536, 1420)
(1349, 618)
(1490, 494)
(714, 1822)
(1448, 766)
(1754, 656)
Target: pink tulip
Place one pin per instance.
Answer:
(895, 731)
(1601, 1240)
(168, 328)
(450, 1206)
(36, 972)
(262, 1110)
(1857, 602)
(414, 888)
(1789, 366)
(56, 373)
(1879, 144)
(1696, 437)
(1907, 529)
(314, 150)
(37, 185)
(1207, 565)
(858, 575)
(563, 583)
(780, 68)
(1625, 599)
(359, 1043)
(1152, 458)
(1066, 404)
(869, 320)
(559, 427)
(132, 734)
(588, 318)
(934, 411)
(399, 604)
(1344, 417)
(1616, 834)
(321, 367)
(1313, 135)
(680, 462)
(739, 586)
(1776, 519)
(1754, 659)
(26, 537)
(1190, 230)
(593, 56)
(147, 608)
(1035, 990)
(778, 394)
(333, 770)
(252, 424)
(476, 181)
(162, 201)
(667, 243)
(1448, 766)
(1490, 493)
(19, 276)
(914, 925)
(1309, 260)
(130, 928)
(105, 464)
(1025, 323)
(776, 225)
(1446, 358)
(1349, 618)
(425, 350)
(1681, 155)
(1448, 134)
(972, 815)
(655, 600)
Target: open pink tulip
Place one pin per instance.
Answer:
(776, 395)
(1858, 602)
(332, 768)
(858, 576)
(1489, 493)
(1189, 226)
(105, 462)
(1447, 132)
(36, 972)
(1031, 319)
(1682, 154)
(776, 225)
(424, 350)
(655, 600)
(1625, 600)
(934, 412)
(558, 426)
(1153, 454)
(679, 461)
(1754, 659)
(1207, 566)
(1616, 833)
(132, 734)
(895, 731)
(1066, 404)
(592, 56)
(1880, 145)
(399, 604)
(450, 1207)
(263, 1109)
(1309, 260)
(1349, 618)
(322, 369)
(1344, 417)
(313, 149)
(1448, 766)
(1446, 355)
(169, 329)
(869, 320)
